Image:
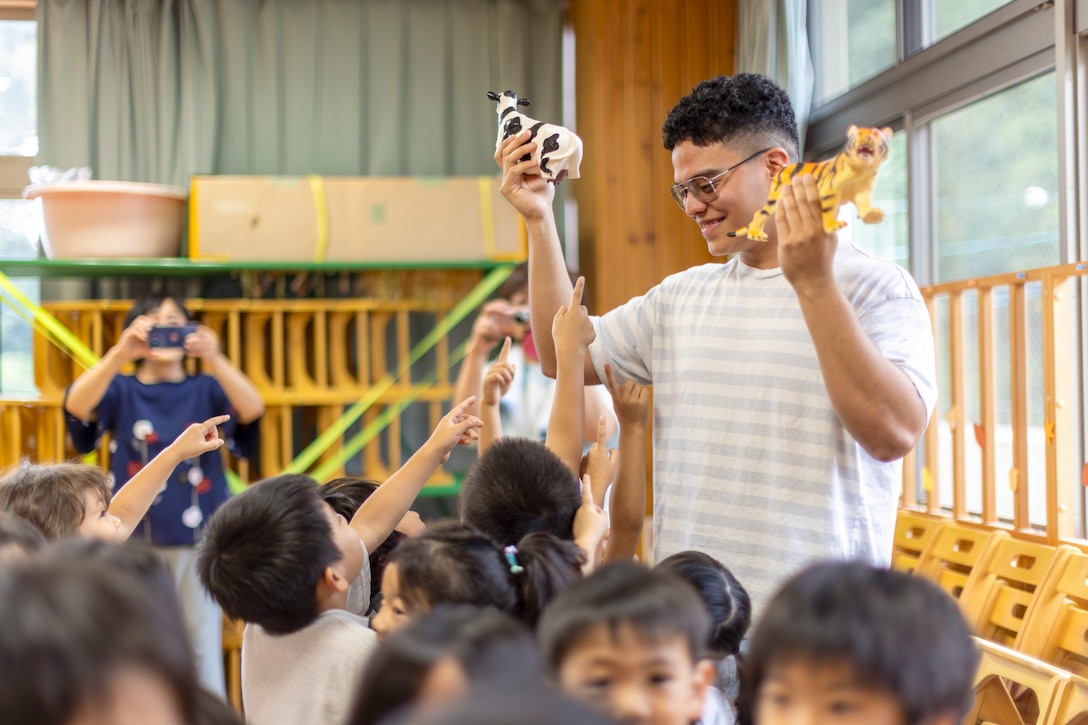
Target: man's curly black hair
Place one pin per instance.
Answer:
(744, 109)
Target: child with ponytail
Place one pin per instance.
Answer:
(452, 563)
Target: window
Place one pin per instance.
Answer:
(18, 225)
(945, 18)
(852, 40)
(996, 183)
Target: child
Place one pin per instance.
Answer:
(517, 487)
(846, 642)
(141, 412)
(73, 499)
(455, 564)
(629, 641)
(438, 658)
(627, 507)
(526, 405)
(83, 642)
(730, 612)
(280, 559)
(346, 495)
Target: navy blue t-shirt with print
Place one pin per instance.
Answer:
(145, 418)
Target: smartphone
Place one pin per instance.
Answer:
(169, 336)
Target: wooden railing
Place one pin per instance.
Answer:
(310, 359)
(1011, 340)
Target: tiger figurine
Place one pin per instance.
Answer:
(847, 177)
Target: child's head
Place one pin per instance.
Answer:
(455, 564)
(725, 599)
(533, 704)
(61, 499)
(164, 310)
(740, 111)
(630, 641)
(271, 551)
(346, 495)
(847, 642)
(82, 643)
(439, 657)
(18, 538)
(519, 486)
(139, 562)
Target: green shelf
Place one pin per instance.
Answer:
(180, 267)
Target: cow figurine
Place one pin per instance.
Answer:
(558, 150)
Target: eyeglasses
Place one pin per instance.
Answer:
(702, 188)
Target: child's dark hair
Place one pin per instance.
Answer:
(70, 626)
(898, 632)
(346, 495)
(147, 303)
(519, 486)
(656, 604)
(265, 550)
(18, 536)
(492, 649)
(725, 599)
(51, 496)
(745, 109)
(455, 564)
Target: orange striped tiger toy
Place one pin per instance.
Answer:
(847, 177)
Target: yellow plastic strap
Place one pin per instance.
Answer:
(333, 433)
(487, 216)
(321, 208)
(58, 333)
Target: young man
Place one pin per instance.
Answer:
(788, 382)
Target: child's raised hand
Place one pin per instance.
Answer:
(571, 328)
(590, 520)
(199, 438)
(631, 400)
(498, 378)
(202, 344)
(457, 428)
(133, 341)
(600, 463)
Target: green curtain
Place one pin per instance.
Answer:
(158, 90)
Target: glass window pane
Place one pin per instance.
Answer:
(948, 17)
(18, 88)
(888, 239)
(854, 39)
(997, 191)
(18, 240)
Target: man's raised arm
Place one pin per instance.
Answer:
(549, 282)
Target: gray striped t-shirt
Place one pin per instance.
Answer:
(751, 463)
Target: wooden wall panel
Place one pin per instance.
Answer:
(633, 60)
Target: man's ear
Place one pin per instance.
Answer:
(775, 160)
(701, 677)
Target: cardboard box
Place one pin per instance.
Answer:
(352, 219)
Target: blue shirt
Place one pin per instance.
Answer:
(143, 419)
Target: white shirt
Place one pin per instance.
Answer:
(751, 463)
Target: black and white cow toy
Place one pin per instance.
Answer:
(558, 150)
